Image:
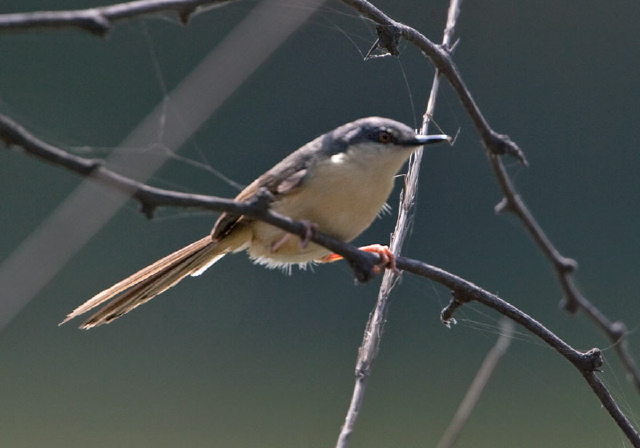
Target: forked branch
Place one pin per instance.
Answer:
(497, 144)
(362, 262)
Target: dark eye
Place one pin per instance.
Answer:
(385, 137)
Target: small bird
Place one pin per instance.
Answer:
(336, 184)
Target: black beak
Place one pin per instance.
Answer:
(429, 139)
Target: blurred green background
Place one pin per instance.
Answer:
(247, 357)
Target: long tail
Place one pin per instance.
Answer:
(147, 283)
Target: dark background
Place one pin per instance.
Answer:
(247, 357)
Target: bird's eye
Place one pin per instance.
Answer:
(385, 137)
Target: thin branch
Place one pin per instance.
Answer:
(99, 21)
(479, 383)
(375, 326)
(361, 262)
(588, 363)
(564, 268)
(496, 145)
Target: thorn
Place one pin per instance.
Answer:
(566, 265)
(501, 144)
(503, 206)
(147, 209)
(388, 39)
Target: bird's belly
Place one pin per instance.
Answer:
(341, 206)
(273, 247)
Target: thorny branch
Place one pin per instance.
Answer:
(496, 145)
(439, 54)
(564, 268)
(588, 363)
(99, 21)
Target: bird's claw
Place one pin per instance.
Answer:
(387, 259)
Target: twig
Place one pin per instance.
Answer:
(439, 55)
(564, 268)
(588, 363)
(99, 21)
(375, 326)
(480, 381)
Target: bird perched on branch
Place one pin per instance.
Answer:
(336, 184)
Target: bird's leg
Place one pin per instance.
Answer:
(387, 259)
(309, 228)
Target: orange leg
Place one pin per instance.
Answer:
(387, 259)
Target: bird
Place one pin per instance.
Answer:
(336, 184)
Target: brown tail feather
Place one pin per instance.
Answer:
(147, 283)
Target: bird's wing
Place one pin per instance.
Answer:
(284, 178)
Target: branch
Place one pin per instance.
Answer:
(588, 363)
(439, 54)
(564, 268)
(99, 21)
(375, 326)
(497, 144)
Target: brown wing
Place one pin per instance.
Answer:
(282, 179)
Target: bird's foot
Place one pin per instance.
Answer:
(387, 259)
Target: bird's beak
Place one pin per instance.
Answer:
(429, 139)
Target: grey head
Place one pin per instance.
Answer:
(378, 130)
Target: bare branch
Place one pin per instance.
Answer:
(497, 144)
(564, 268)
(588, 363)
(439, 54)
(99, 21)
(375, 326)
